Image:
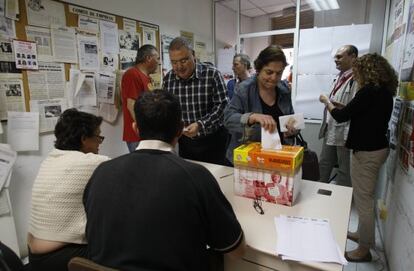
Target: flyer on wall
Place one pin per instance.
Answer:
(25, 54)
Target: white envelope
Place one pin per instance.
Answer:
(299, 122)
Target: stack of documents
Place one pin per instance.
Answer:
(307, 239)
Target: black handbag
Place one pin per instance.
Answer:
(310, 164)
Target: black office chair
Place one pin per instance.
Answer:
(82, 264)
(9, 261)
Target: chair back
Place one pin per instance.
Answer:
(82, 264)
(9, 261)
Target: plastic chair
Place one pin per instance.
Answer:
(82, 264)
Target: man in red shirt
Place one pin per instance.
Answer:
(135, 81)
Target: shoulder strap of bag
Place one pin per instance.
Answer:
(301, 141)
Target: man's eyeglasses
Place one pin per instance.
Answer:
(100, 138)
(182, 61)
(257, 205)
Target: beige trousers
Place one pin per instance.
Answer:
(365, 166)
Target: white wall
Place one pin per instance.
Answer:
(226, 31)
(172, 16)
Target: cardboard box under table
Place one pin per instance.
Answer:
(272, 176)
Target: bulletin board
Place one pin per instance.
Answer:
(142, 29)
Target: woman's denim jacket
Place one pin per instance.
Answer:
(246, 101)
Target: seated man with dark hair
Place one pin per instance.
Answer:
(152, 210)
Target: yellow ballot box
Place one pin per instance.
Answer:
(272, 176)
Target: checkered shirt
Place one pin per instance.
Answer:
(202, 97)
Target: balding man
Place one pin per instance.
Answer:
(334, 133)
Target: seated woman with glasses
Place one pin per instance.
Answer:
(57, 221)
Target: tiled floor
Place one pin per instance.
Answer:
(378, 263)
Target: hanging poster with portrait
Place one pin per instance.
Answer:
(25, 55)
(148, 35)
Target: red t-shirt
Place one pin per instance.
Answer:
(134, 83)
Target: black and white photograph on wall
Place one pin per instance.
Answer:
(129, 41)
(6, 47)
(127, 58)
(9, 67)
(7, 28)
(35, 5)
(13, 90)
(2, 8)
(6, 50)
(42, 41)
(53, 111)
(148, 36)
(108, 61)
(91, 48)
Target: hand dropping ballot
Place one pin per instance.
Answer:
(271, 140)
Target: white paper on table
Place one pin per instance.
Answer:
(109, 37)
(341, 256)
(271, 141)
(7, 159)
(307, 239)
(297, 119)
(23, 130)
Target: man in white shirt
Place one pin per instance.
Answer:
(334, 134)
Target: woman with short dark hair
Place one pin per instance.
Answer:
(58, 220)
(369, 112)
(260, 101)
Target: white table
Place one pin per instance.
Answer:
(260, 231)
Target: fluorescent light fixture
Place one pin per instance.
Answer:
(319, 5)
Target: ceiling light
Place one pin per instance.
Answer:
(318, 5)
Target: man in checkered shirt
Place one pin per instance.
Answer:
(201, 91)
